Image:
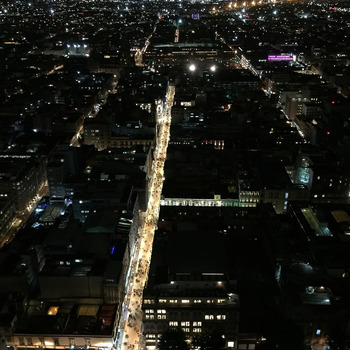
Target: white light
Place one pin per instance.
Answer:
(192, 67)
(213, 68)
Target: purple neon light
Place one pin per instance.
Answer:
(280, 58)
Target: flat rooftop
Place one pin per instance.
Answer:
(67, 318)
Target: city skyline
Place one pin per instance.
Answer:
(174, 174)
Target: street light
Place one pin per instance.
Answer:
(192, 67)
(213, 68)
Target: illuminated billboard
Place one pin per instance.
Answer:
(280, 58)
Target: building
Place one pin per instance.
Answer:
(7, 214)
(21, 178)
(194, 292)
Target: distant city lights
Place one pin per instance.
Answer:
(280, 58)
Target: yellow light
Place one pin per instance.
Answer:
(53, 310)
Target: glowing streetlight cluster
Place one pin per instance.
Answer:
(193, 68)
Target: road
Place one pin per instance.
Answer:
(138, 55)
(74, 142)
(130, 326)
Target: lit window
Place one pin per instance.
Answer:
(199, 324)
(220, 317)
(318, 332)
(197, 330)
(230, 344)
(209, 317)
(162, 300)
(185, 324)
(185, 301)
(173, 324)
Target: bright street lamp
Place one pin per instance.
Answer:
(192, 67)
(213, 68)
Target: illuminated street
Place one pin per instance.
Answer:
(131, 319)
(138, 55)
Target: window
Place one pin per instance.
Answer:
(230, 344)
(185, 301)
(149, 317)
(162, 300)
(149, 311)
(161, 317)
(186, 330)
(173, 324)
(220, 317)
(195, 324)
(209, 317)
(197, 330)
(186, 323)
(161, 311)
(197, 301)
